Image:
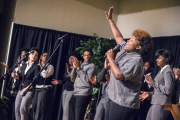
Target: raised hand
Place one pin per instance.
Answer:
(40, 62)
(56, 82)
(4, 64)
(109, 14)
(76, 63)
(107, 76)
(67, 67)
(144, 95)
(93, 80)
(148, 79)
(106, 63)
(176, 72)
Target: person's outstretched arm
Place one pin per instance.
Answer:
(117, 34)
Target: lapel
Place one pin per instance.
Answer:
(23, 70)
(29, 71)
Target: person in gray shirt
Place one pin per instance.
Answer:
(83, 87)
(126, 71)
(163, 85)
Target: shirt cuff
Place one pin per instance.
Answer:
(152, 84)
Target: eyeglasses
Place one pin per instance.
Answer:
(45, 55)
(87, 55)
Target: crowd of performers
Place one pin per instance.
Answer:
(127, 90)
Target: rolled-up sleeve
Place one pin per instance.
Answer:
(73, 74)
(47, 73)
(130, 69)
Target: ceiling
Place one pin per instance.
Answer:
(131, 6)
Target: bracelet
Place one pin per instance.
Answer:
(110, 21)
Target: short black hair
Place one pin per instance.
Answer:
(75, 54)
(35, 49)
(24, 49)
(166, 54)
(45, 52)
(89, 51)
(151, 64)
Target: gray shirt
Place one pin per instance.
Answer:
(126, 92)
(82, 83)
(163, 86)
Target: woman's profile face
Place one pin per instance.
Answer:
(33, 56)
(161, 61)
(132, 45)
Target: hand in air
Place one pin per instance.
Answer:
(93, 80)
(109, 14)
(106, 63)
(148, 79)
(4, 65)
(76, 63)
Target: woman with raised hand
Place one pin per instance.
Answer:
(163, 85)
(126, 71)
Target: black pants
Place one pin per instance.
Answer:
(40, 103)
(77, 107)
(118, 112)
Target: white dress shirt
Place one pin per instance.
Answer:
(48, 72)
(45, 74)
(28, 67)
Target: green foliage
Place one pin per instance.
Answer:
(4, 106)
(99, 46)
(95, 90)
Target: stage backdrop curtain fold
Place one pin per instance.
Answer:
(44, 39)
(170, 43)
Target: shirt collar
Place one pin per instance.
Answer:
(149, 73)
(133, 53)
(164, 68)
(28, 62)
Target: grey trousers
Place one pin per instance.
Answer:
(65, 103)
(21, 105)
(40, 103)
(101, 109)
(156, 112)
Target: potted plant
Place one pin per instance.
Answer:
(99, 46)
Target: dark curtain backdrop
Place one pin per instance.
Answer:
(171, 43)
(44, 39)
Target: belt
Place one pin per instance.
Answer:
(43, 86)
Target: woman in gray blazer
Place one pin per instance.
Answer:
(163, 85)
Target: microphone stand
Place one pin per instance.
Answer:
(25, 92)
(12, 68)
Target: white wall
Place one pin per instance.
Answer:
(158, 22)
(65, 15)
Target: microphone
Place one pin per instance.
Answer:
(63, 36)
(32, 51)
(114, 49)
